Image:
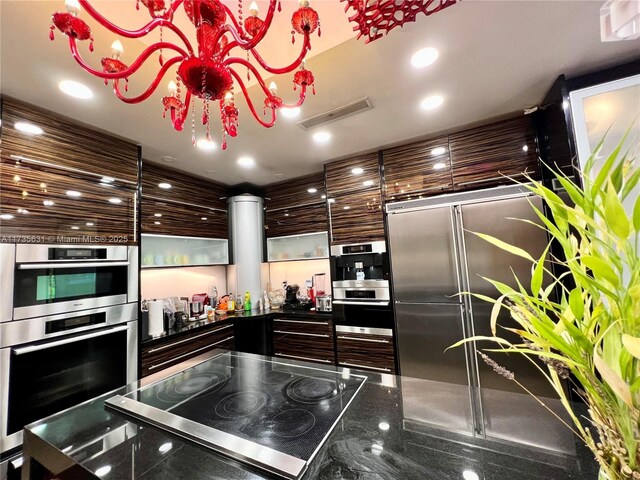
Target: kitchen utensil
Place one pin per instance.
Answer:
(196, 309)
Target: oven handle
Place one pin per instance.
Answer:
(35, 348)
(346, 302)
(37, 266)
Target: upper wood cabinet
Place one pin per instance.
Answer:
(356, 218)
(293, 207)
(351, 175)
(416, 170)
(65, 144)
(191, 206)
(485, 156)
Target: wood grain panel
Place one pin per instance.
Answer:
(370, 351)
(297, 220)
(304, 348)
(340, 179)
(69, 219)
(362, 221)
(293, 193)
(163, 354)
(66, 143)
(185, 188)
(182, 220)
(298, 325)
(482, 156)
(413, 171)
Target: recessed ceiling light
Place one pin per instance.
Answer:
(439, 166)
(73, 227)
(321, 137)
(28, 128)
(424, 57)
(438, 151)
(165, 447)
(73, 193)
(290, 112)
(115, 201)
(246, 162)
(203, 218)
(102, 471)
(164, 185)
(157, 214)
(367, 183)
(6, 216)
(312, 190)
(384, 426)
(525, 148)
(89, 224)
(156, 223)
(434, 101)
(357, 170)
(168, 159)
(346, 207)
(48, 203)
(207, 145)
(75, 89)
(470, 475)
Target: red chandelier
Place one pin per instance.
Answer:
(210, 71)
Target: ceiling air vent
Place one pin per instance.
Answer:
(337, 113)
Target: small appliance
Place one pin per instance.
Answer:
(323, 303)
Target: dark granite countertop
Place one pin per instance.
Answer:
(390, 431)
(192, 326)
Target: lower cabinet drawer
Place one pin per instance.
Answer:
(160, 356)
(305, 347)
(368, 352)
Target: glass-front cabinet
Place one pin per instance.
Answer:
(298, 247)
(162, 251)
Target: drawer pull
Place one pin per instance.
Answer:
(325, 335)
(360, 339)
(301, 321)
(345, 364)
(169, 345)
(153, 367)
(302, 358)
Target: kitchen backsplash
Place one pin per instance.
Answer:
(181, 282)
(298, 272)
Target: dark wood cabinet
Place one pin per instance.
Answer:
(365, 351)
(352, 175)
(192, 206)
(487, 155)
(306, 340)
(163, 354)
(357, 218)
(417, 170)
(291, 209)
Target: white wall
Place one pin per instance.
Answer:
(181, 282)
(298, 272)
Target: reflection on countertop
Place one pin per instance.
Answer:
(383, 435)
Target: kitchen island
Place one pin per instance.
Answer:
(379, 430)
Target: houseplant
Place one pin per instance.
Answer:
(588, 333)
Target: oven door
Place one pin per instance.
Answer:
(46, 289)
(40, 379)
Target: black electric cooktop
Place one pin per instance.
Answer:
(273, 415)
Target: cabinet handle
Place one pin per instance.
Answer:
(325, 335)
(153, 367)
(360, 339)
(345, 364)
(308, 322)
(302, 358)
(189, 339)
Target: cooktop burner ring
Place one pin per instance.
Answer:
(205, 382)
(241, 404)
(292, 423)
(274, 377)
(311, 390)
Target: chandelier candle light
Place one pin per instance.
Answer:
(210, 72)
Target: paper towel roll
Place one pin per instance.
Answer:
(156, 317)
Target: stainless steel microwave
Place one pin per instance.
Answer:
(43, 280)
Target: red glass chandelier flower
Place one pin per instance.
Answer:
(208, 72)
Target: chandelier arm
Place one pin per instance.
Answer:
(239, 42)
(129, 70)
(242, 61)
(168, 15)
(303, 93)
(305, 46)
(178, 120)
(156, 22)
(147, 93)
(250, 103)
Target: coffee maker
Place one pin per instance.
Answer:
(291, 294)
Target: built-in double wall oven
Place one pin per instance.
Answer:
(68, 329)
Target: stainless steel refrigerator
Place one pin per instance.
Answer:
(434, 257)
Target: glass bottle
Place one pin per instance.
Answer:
(231, 303)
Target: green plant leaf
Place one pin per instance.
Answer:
(617, 384)
(632, 344)
(630, 184)
(538, 273)
(636, 214)
(505, 246)
(605, 170)
(615, 216)
(601, 269)
(576, 304)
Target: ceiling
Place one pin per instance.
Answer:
(496, 57)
